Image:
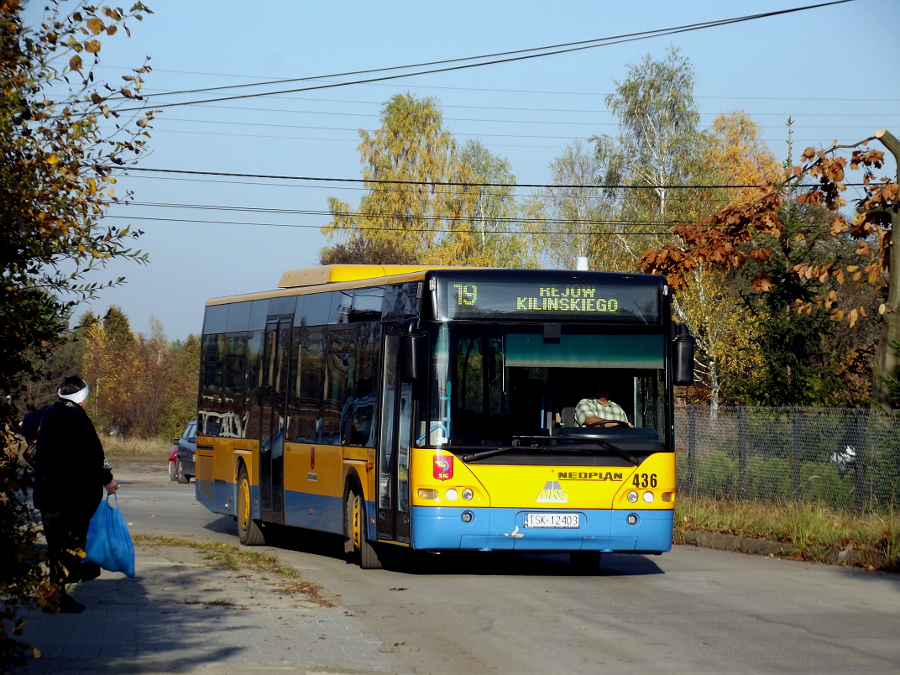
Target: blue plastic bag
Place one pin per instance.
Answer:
(108, 541)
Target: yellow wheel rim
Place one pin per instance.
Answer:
(356, 522)
(244, 504)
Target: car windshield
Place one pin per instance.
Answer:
(512, 385)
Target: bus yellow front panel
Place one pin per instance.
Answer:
(439, 479)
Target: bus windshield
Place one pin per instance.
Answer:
(496, 385)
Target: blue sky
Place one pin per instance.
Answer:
(830, 69)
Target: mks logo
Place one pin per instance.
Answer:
(553, 492)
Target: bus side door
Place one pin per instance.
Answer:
(392, 497)
(273, 403)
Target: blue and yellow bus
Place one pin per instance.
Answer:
(433, 409)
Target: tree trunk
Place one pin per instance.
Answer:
(886, 360)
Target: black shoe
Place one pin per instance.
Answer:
(67, 605)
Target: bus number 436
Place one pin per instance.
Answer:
(643, 480)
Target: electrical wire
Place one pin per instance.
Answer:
(830, 99)
(518, 55)
(375, 181)
(591, 111)
(457, 119)
(459, 135)
(512, 195)
(380, 228)
(356, 214)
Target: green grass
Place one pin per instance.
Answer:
(136, 448)
(800, 525)
(218, 601)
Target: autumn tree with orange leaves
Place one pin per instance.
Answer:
(735, 236)
(63, 141)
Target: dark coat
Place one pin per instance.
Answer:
(69, 464)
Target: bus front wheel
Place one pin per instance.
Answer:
(359, 548)
(249, 532)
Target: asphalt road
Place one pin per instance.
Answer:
(690, 610)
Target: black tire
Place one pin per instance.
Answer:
(249, 532)
(585, 561)
(180, 475)
(172, 475)
(361, 551)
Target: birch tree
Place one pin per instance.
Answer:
(427, 200)
(565, 216)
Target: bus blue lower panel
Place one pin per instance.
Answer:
(216, 495)
(203, 490)
(443, 528)
(314, 512)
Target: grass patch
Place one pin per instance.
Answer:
(217, 601)
(115, 447)
(233, 558)
(804, 527)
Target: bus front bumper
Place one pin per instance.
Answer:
(488, 529)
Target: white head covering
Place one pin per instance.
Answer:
(79, 396)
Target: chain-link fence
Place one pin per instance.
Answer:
(842, 458)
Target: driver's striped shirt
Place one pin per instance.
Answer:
(591, 407)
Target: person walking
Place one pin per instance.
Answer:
(70, 474)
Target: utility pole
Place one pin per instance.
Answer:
(886, 361)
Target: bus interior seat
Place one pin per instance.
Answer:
(567, 417)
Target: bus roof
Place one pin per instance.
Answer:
(329, 274)
(342, 277)
(332, 277)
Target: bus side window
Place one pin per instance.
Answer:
(359, 408)
(340, 366)
(309, 386)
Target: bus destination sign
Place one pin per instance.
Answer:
(603, 302)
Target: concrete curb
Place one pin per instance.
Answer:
(848, 557)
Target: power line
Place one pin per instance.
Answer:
(356, 214)
(464, 119)
(564, 46)
(451, 183)
(388, 229)
(519, 55)
(514, 195)
(439, 183)
(460, 135)
(586, 111)
(830, 99)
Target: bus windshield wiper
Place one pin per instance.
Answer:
(624, 454)
(588, 442)
(475, 456)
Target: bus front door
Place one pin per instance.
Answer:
(273, 403)
(393, 459)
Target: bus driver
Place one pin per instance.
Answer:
(600, 411)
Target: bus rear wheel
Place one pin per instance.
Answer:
(249, 532)
(361, 551)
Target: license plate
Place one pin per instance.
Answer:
(568, 521)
